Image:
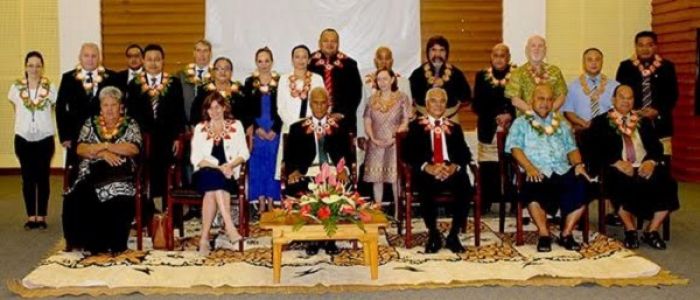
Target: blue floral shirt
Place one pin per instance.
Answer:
(547, 152)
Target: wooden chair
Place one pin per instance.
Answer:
(180, 194)
(407, 196)
(519, 235)
(70, 174)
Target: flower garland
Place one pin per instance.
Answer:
(377, 103)
(191, 74)
(338, 62)
(445, 125)
(646, 72)
(548, 129)
(160, 88)
(224, 134)
(42, 94)
(626, 127)
(265, 88)
(109, 135)
(498, 82)
(437, 82)
(599, 90)
(96, 80)
(539, 77)
(233, 89)
(304, 92)
(325, 129)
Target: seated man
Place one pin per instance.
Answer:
(438, 155)
(543, 145)
(312, 142)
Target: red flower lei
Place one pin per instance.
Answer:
(304, 92)
(223, 134)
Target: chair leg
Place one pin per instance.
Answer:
(602, 228)
(519, 239)
(586, 225)
(139, 225)
(409, 226)
(169, 235)
(242, 216)
(477, 222)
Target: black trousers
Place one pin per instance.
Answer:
(35, 164)
(490, 184)
(428, 188)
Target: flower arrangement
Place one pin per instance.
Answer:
(329, 203)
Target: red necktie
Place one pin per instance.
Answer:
(437, 143)
(629, 149)
(328, 80)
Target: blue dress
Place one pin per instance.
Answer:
(263, 158)
(211, 179)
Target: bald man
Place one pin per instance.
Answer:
(77, 97)
(495, 113)
(535, 71)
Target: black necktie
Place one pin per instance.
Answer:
(199, 74)
(322, 155)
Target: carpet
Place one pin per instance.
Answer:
(496, 262)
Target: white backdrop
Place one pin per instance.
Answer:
(238, 28)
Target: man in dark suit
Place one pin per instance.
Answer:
(340, 77)
(155, 102)
(194, 75)
(77, 97)
(439, 156)
(134, 64)
(312, 142)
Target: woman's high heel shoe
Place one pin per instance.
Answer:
(233, 235)
(203, 248)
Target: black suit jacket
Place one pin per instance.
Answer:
(490, 101)
(170, 121)
(418, 147)
(457, 87)
(74, 105)
(664, 92)
(347, 86)
(607, 143)
(121, 80)
(251, 105)
(300, 149)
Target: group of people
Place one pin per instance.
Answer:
(112, 124)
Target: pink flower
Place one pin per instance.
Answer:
(331, 180)
(305, 210)
(365, 216)
(341, 165)
(288, 204)
(323, 213)
(347, 210)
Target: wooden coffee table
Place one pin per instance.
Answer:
(283, 233)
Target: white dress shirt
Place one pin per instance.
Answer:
(289, 107)
(158, 78)
(33, 126)
(132, 74)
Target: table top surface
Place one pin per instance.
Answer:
(279, 218)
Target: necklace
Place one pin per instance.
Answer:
(646, 72)
(599, 90)
(265, 88)
(160, 88)
(437, 82)
(107, 134)
(384, 105)
(191, 71)
(539, 77)
(548, 129)
(232, 89)
(219, 135)
(95, 80)
(498, 82)
(623, 124)
(41, 96)
(304, 92)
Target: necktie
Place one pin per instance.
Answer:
(153, 81)
(646, 91)
(154, 100)
(595, 106)
(437, 143)
(322, 154)
(328, 81)
(89, 80)
(199, 74)
(630, 154)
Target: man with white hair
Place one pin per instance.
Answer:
(535, 71)
(77, 97)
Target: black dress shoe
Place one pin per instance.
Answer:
(42, 225)
(544, 244)
(29, 225)
(312, 248)
(434, 243)
(331, 248)
(654, 240)
(631, 239)
(454, 244)
(569, 243)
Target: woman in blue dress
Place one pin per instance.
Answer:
(261, 106)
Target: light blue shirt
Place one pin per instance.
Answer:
(548, 153)
(580, 104)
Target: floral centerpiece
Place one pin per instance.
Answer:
(329, 203)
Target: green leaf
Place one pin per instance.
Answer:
(298, 224)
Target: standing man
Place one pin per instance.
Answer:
(523, 80)
(77, 97)
(195, 74)
(495, 114)
(341, 77)
(134, 64)
(155, 102)
(653, 81)
(437, 73)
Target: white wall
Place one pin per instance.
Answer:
(78, 22)
(521, 19)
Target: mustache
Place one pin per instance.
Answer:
(436, 59)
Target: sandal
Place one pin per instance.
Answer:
(653, 239)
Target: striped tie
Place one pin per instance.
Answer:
(328, 82)
(154, 100)
(646, 91)
(595, 106)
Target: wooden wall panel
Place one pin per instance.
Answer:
(174, 24)
(676, 22)
(472, 27)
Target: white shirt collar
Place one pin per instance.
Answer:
(157, 77)
(322, 120)
(85, 72)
